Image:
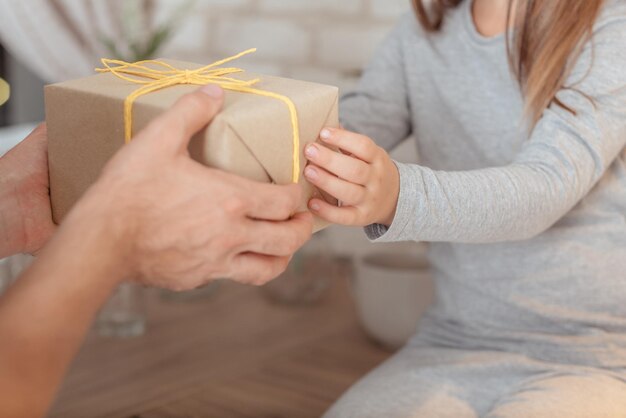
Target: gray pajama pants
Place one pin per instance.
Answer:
(427, 382)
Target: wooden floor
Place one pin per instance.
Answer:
(233, 354)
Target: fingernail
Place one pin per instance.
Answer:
(325, 134)
(311, 151)
(310, 173)
(315, 206)
(212, 90)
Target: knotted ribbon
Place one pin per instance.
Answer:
(157, 75)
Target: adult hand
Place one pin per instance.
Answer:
(179, 223)
(25, 215)
(154, 215)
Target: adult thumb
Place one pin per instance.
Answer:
(190, 113)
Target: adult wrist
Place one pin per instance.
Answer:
(105, 232)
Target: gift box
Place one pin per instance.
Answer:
(253, 136)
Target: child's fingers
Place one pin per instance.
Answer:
(360, 146)
(344, 166)
(346, 192)
(346, 215)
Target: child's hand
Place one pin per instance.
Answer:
(363, 178)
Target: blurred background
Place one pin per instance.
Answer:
(342, 306)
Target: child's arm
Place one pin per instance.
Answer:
(404, 202)
(378, 107)
(562, 161)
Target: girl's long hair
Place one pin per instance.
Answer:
(546, 39)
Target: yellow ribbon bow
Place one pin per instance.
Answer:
(162, 75)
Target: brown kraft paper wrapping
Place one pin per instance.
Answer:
(251, 137)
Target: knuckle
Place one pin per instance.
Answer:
(234, 205)
(370, 149)
(285, 203)
(379, 152)
(360, 172)
(356, 195)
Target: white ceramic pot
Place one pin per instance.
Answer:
(392, 288)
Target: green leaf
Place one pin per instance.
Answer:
(159, 38)
(109, 44)
(139, 50)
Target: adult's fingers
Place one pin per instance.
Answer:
(360, 146)
(273, 202)
(279, 238)
(348, 193)
(189, 114)
(347, 167)
(256, 200)
(257, 269)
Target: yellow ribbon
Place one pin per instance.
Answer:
(162, 75)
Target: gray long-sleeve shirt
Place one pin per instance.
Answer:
(528, 225)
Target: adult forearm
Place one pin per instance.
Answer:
(25, 214)
(45, 315)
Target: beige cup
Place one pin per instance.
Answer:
(392, 289)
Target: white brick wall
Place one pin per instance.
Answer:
(327, 41)
(389, 9)
(276, 39)
(223, 3)
(343, 7)
(348, 46)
